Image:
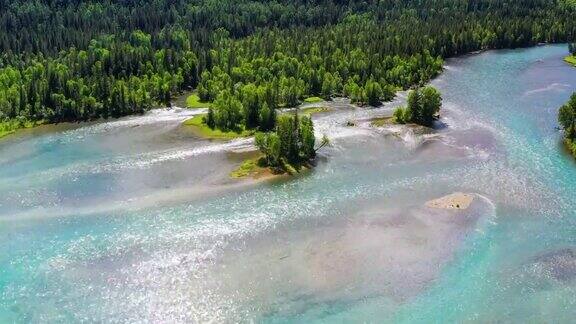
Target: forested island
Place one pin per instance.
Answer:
(422, 108)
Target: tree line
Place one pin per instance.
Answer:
(77, 60)
(112, 77)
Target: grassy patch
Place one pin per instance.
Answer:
(313, 100)
(9, 127)
(570, 59)
(197, 125)
(256, 168)
(247, 168)
(312, 110)
(5, 133)
(193, 101)
(382, 121)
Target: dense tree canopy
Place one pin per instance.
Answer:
(422, 108)
(290, 144)
(567, 118)
(77, 60)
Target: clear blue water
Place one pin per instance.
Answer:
(135, 220)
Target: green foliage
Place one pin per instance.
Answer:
(568, 3)
(193, 101)
(423, 106)
(198, 125)
(313, 100)
(287, 131)
(9, 127)
(431, 102)
(291, 144)
(312, 110)
(267, 117)
(227, 111)
(402, 115)
(570, 59)
(81, 60)
(567, 118)
(111, 78)
(306, 138)
(269, 144)
(210, 120)
(373, 92)
(247, 168)
(571, 145)
(251, 103)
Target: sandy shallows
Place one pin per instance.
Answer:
(393, 253)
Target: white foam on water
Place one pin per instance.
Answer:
(173, 116)
(551, 87)
(145, 160)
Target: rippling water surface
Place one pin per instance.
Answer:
(135, 220)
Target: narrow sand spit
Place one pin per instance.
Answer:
(457, 200)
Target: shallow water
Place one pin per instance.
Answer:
(136, 220)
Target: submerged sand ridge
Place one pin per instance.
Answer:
(376, 251)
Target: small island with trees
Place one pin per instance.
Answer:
(422, 107)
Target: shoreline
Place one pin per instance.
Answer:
(250, 168)
(183, 96)
(570, 146)
(11, 127)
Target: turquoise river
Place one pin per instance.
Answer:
(136, 219)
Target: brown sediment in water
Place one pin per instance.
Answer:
(457, 200)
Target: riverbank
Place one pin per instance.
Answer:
(570, 146)
(10, 127)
